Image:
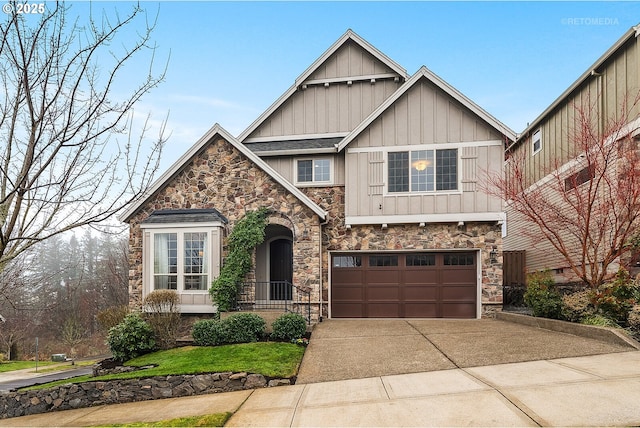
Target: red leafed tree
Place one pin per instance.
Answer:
(588, 205)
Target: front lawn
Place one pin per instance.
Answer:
(271, 359)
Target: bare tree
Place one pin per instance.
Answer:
(588, 206)
(17, 314)
(68, 153)
(113, 272)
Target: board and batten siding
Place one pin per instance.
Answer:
(423, 118)
(350, 60)
(615, 83)
(339, 106)
(366, 193)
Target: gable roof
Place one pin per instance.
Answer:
(204, 140)
(349, 35)
(591, 71)
(424, 72)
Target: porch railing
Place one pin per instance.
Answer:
(274, 295)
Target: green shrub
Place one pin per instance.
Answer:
(614, 300)
(577, 306)
(131, 338)
(210, 332)
(289, 327)
(244, 327)
(162, 312)
(112, 316)
(542, 297)
(634, 319)
(599, 320)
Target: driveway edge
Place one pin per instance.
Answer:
(604, 334)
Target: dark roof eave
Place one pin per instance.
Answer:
(204, 215)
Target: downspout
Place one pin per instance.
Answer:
(320, 224)
(600, 88)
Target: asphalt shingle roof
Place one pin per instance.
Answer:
(206, 215)
(315, 143)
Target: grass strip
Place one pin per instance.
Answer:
(271, 359)
(214, 420)
(8, 366)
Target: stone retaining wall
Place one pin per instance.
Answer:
(87, 394)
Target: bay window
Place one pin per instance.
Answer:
(182, 251)
(181, 261)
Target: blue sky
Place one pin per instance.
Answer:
(229, 61)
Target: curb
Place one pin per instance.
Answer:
(605, 334)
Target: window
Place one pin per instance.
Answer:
(446, 169)
(420, 260)
(399, 172)
(456, 259)
(423, 170)
(347, 261)
(536, 141)
(165, 261)
(379, 261)
(195, 261)
(181, 260)
(313, 171)
(580, 177)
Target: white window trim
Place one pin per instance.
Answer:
(313, 183)
(537, 135)
(214, 239)
(386, 191)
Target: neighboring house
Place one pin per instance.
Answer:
(371, 177)
(546, 144)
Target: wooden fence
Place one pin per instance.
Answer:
(513, 277)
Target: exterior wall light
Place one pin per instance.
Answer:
(493, 256)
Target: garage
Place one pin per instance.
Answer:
(404, 285)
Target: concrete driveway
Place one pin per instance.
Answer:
(357, 349)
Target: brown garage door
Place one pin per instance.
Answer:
(407, 285)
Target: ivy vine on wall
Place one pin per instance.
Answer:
(247, 234)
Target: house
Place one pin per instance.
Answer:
(370, 176)
(552, 163)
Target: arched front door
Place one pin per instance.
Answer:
(280, 269)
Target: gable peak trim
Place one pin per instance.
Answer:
(348, 35)
(351, 35)
(424, 72)
(208, 137)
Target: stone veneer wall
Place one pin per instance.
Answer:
(96, 393)
(483, 236)
(221, 177)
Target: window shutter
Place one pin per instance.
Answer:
(468, 159)
(376, 173)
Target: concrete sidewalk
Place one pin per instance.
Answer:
(600, 390)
